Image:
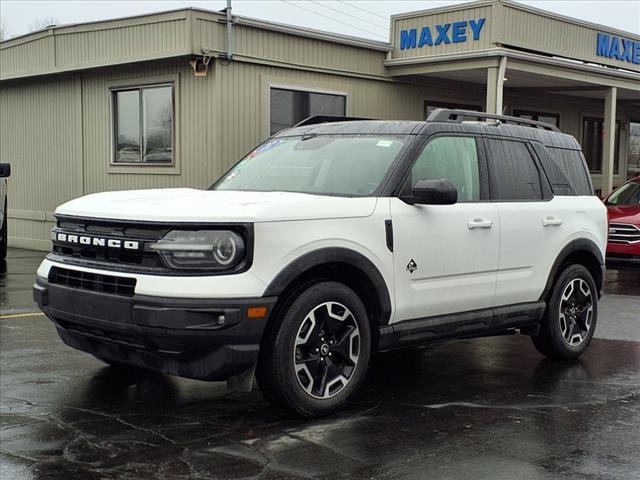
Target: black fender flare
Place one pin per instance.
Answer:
(579, 245)
(335, 255)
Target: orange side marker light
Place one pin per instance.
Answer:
(256, 312)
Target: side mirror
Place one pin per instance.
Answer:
(435, 192)
(5, 170)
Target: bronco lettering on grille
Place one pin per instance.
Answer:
(98, 241)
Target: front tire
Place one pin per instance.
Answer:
(571, 315)
(315, 355)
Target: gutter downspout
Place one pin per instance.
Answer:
(229, 26)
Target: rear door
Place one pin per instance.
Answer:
(533, 223)
(446, 256)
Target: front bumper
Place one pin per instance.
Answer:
(194, 338)
(623, 250)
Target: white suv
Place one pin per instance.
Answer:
(329, 242)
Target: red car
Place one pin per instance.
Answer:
(623, 205)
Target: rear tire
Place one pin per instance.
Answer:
(571, 316)
(315, 355)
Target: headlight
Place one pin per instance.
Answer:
(200, 250)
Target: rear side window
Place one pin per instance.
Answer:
(573, 168)
(454, 159)
(513, 174)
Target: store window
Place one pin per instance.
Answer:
(552, 118)
(430, 106)
(592, 144)
(289, 107)
(633, 150)
(143, 125)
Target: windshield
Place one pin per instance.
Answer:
(349, 165)
(628, 194)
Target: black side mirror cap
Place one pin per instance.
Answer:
(5, 170)
(434, 192)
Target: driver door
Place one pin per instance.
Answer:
(446, 256)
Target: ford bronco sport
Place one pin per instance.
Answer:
(333, 240)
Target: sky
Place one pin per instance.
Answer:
(361, 18)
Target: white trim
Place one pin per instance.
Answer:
(558, 62)
(301, 88)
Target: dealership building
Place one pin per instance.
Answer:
(173, 99)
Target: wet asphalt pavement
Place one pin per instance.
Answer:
(482, 409)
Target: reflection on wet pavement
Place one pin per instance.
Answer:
(483, 409)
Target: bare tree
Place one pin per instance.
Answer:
(40, 23)
(4, 31)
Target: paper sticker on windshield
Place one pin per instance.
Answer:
(268, 146)
(384, 143)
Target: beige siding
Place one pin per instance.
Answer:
(440, 18)
(91, 45)
(40, 134)
(195, 108)
(536, 30)
(289, 49)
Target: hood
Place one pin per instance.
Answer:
(624, 214)
(190, 205)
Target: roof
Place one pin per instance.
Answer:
(410, 127)
(182, 32)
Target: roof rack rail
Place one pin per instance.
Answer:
(316, 119)
(450, 115)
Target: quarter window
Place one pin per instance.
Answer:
(289, 107)
(513, 174)
(454, 159)
(143, 125)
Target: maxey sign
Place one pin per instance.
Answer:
(619, 48)
(455, 32)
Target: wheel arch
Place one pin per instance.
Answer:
(581, 251)
(342, 265)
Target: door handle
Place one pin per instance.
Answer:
(551, 222)
(479, 223)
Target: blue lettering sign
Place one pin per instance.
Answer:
(603, 47)
(456, 32)
(408, 38)
(627, 52)
(615, 48)
(425, 37)
(442, 34)
(619, 48)
(459, 32)
(476, 27)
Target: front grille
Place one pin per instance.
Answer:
(86, 254)
(94, 282)
(623, 233)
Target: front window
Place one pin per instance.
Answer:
(628, 194)
(346, 165)
(289, 107)
(143, 125)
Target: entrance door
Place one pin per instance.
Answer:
(446, 256)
